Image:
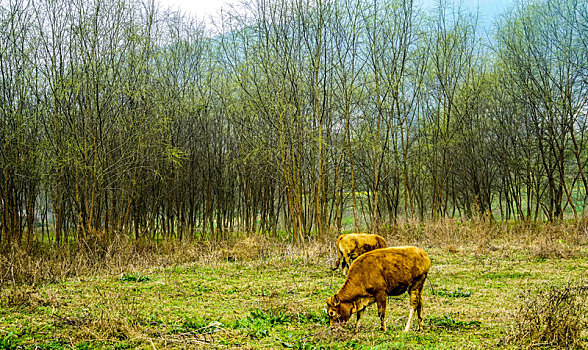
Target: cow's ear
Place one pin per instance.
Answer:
(336, 300)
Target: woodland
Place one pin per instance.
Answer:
(291, 118)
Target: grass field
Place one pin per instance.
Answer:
(271, 295)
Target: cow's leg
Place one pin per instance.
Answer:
(416, 304)
(409, 322)
(359, 313)
(419, 305)
(413, 304)
(348, 260)
(419, 310)
(338, 259)
(381, 302)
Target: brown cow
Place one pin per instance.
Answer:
(376, 275)
(352, 245)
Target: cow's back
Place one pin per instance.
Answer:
(356, 244)
(392, 269)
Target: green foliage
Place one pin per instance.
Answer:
(272, 316)
(506, 275)
(456, 293)
(8, 342)
(300, 344)
(448, 322)
(123, 346)
(200, 325)
(84, 346)
(320, 317)
(199, 289)
(259, 322)
(134, 277)
(51, 345)
(254, 328)
(196, 323)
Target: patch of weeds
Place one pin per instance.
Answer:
(314, 317)
(272, 316)
(456, 293)
(400, 346)
(254, 328)
(195, 323)
(113, 325)
(353, 345)
(51, 345)
(8, 342)
(87, 345)
(201, 325)
(304, 344)
(134, 277)
(25, 297)
(123, 345)
(199, 289)
(412, 340)
(267, 292)
(576, 268)
(326, 292)
(448, 322)
(150, 320)
(556, 317)
(552, 249)
(505, 275)
(259, 322)
(84, 346)
(232, 290)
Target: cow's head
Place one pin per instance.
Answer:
(339, 312)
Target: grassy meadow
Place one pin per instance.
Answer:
(486, 286)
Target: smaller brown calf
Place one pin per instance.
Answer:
(352, 245)
(374, 276)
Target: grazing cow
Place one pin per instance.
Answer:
(374, 276)
(351, 246)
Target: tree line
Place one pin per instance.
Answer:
(288, 117)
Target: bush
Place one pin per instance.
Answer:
(554, 317)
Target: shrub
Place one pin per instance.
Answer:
(553, 317)
(246, 249)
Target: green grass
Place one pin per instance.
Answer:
(134, 277)
(456, 293)
(273, 302)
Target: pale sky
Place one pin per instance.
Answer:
(199, 9)
(203, 9)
